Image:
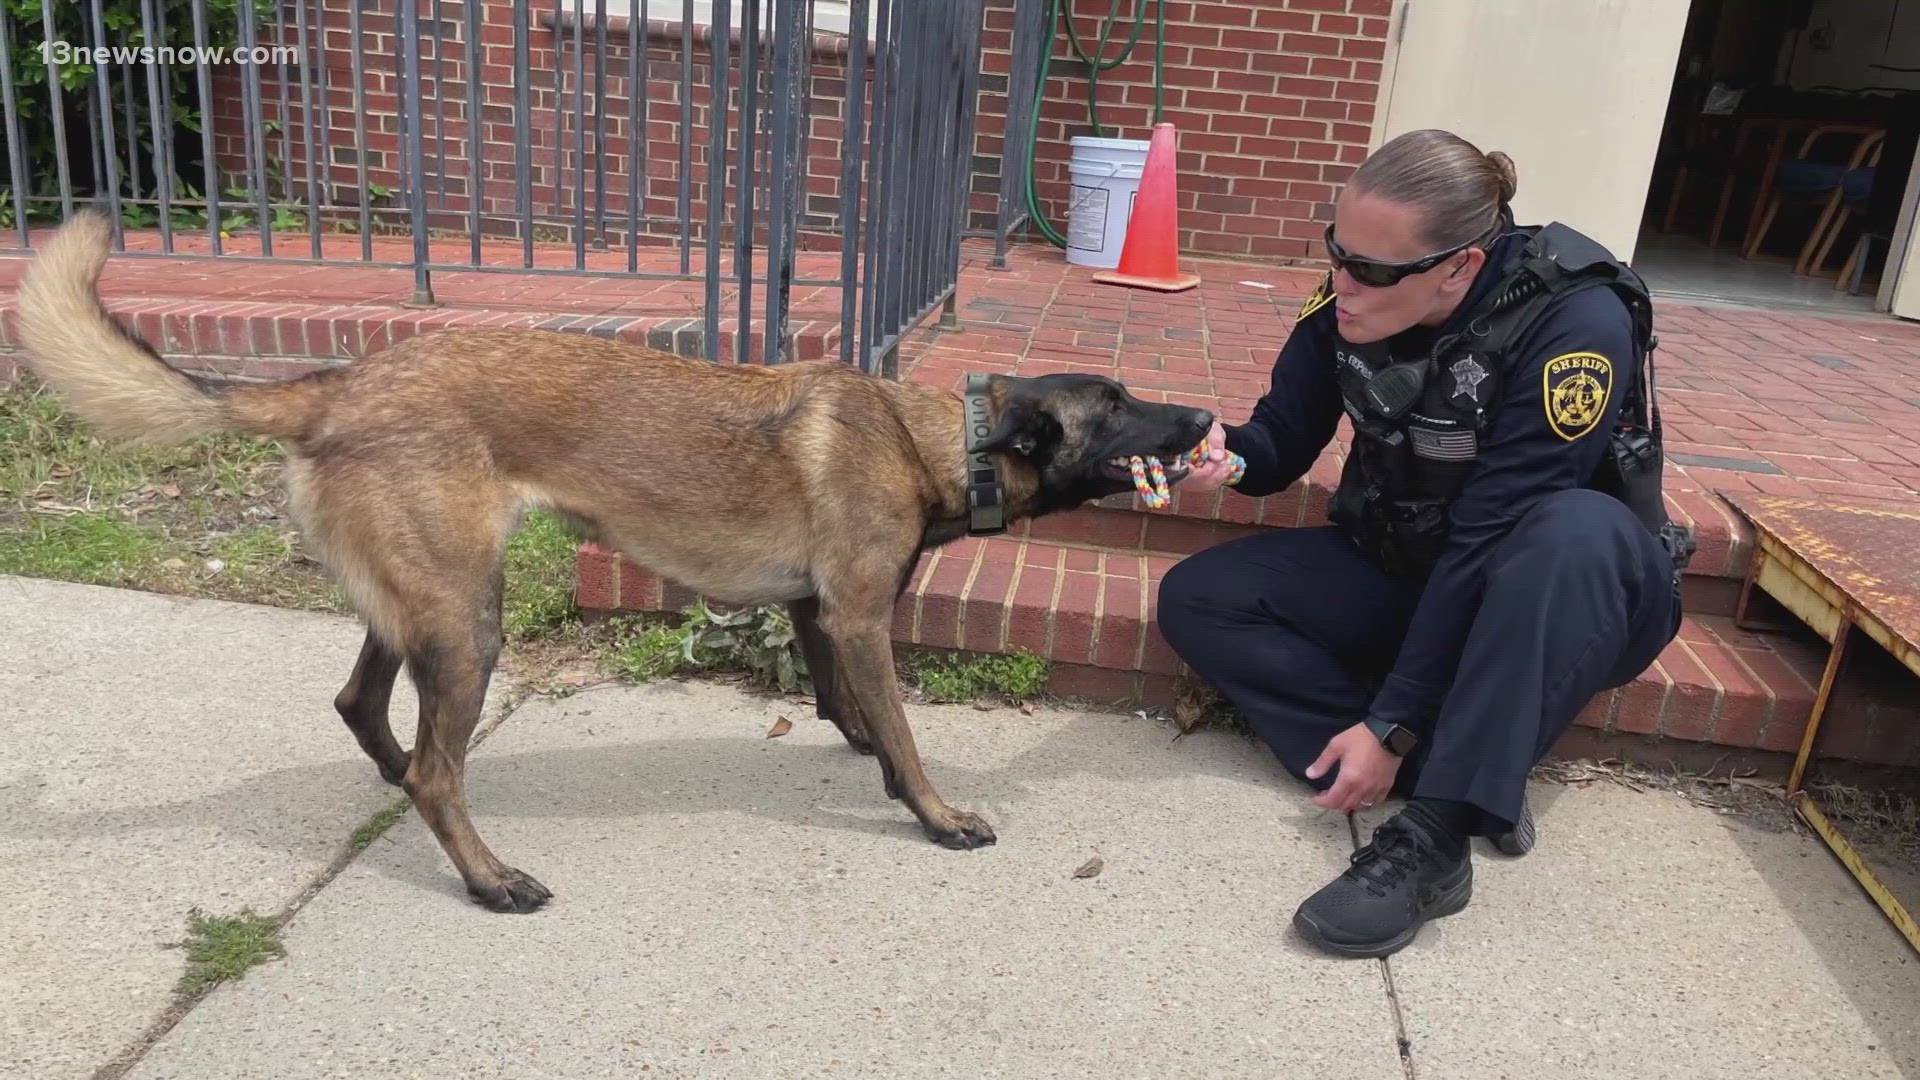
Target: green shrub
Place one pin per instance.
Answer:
(759, 641)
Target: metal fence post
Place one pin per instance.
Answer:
(791, 49)
(416, 164)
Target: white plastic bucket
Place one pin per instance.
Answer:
(1105, 174)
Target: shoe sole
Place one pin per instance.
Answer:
(1520, 840)
(1451, 901)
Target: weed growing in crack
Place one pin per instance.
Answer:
(224, 947)
(376, 826)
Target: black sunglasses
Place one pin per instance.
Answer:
(1378, 275)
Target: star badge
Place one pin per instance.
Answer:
(1467, 376)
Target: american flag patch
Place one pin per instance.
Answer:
(1442, 445)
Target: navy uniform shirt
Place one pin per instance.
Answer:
(1525, 454)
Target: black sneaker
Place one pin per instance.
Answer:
(1395, 884)
(1518, 840)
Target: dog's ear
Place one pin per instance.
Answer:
(1020, 428)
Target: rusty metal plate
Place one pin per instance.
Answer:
(1868, 552)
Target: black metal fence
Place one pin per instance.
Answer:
(1032, 35)
(286, 129)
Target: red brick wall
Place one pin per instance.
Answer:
(553, 123)
(1273, 99)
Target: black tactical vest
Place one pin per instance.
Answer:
(1418, 420)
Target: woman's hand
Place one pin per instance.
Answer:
(1212, 472)
(1366, 775)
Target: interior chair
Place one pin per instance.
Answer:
(1835, 182)
(1730, 150)
(1881, 211)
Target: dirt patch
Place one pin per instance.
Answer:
(1884, 823)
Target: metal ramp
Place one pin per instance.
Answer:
(1840, 567)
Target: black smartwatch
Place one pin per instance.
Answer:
(1398, 740)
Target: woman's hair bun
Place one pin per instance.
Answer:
(1509, 179)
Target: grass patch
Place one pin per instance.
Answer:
(93, 547)
(207, 519)
(950, 677)
(645, 649)
(224, 947)
(540, 567)
(759, 643)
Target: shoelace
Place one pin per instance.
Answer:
(1395, 852)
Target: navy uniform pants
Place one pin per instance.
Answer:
(1296, 627)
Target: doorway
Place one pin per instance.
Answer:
(1784, 161)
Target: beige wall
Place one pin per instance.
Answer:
(1575, 91)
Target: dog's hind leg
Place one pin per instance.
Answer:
(451, 669)
(423, 563)
(363, 702)
(831, 701)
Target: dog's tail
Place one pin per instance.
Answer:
(116, 382)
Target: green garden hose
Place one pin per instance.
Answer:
(1094, 67)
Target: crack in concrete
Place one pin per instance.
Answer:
(1403, 1045)
(509, 702)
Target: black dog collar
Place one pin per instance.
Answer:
(986, 504)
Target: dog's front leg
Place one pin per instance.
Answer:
(866, 655)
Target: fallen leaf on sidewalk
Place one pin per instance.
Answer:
(780, 727)
(1090, 868)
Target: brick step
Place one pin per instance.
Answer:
(1710, 587)
(1090, 613)
(281, 337)
(1187, 524)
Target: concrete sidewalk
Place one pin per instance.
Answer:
(729, 905)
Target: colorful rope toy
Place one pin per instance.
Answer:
(1150, 476)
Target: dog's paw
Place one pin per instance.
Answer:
(962, 831)
(517, 893)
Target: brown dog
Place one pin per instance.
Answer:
(811, 484)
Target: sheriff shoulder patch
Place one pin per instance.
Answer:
(1575, 389)
(1321, 297)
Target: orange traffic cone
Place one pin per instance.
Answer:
(1151, 257)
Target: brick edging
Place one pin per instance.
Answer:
(1090, 613)
(1725, 538)
(280, 331)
